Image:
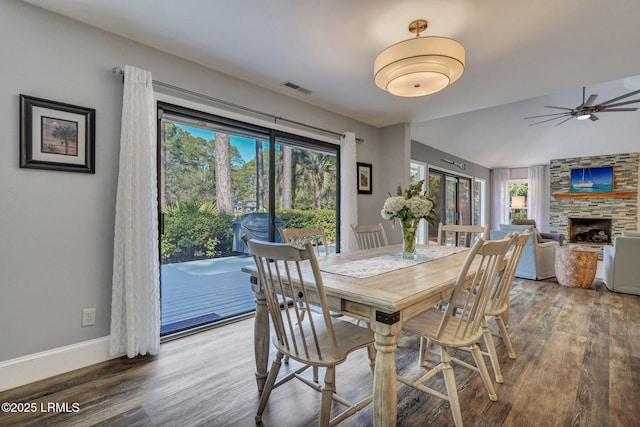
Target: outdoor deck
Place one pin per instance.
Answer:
(199, 292)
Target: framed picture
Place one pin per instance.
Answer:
(56, 136)
(364, 178)
(592, 180)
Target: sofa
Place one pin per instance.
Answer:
(622, 264)
(538, 258)
(542, 237)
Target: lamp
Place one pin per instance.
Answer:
(518, 202)
(420, 65)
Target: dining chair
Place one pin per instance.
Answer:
(497, 306)
(370, 236)
(315, 340)
(299, 236)
(460, 326)
(461, 235)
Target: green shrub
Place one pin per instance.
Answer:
(298, 218)
(194, 230)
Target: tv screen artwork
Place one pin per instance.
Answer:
(592, 180)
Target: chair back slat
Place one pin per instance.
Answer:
(461, 235)
(285, 271)
(463, 319)
(300, 236)
(370, 236)
(498, 300)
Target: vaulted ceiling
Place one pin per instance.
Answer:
(520, 56)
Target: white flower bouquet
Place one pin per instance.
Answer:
(409, 207)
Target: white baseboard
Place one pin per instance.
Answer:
(38, 366)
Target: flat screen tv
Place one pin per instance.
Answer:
(592, 180)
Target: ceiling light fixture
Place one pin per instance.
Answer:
(420, 65)
(583, 115)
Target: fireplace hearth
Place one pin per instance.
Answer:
(590, 230)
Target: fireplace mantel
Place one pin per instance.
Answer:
(594, 195)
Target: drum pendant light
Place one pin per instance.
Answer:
(420, 65)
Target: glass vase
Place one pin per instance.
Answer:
(409, 236)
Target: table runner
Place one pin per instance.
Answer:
(361, 269)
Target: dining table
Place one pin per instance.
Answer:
(382, 288)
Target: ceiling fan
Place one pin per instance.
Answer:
(586, 110)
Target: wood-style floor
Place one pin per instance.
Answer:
(578, 365)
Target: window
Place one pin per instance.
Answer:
(518, 195)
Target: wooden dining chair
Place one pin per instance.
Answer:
(300, 236)
(461, 235)
(498, 305)
(460, 327)
(314, 340)
(370, 236)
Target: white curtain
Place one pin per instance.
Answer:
(348, 192)
(499, 197)
(135, 300)
(536, 196)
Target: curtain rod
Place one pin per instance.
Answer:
(120, 72)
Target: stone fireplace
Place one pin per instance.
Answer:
(597, 218)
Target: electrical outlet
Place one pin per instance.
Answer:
(88, 316)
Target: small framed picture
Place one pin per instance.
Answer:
(56, 136)
(364, 178)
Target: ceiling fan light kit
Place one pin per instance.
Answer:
(586, 110)
(420, 65)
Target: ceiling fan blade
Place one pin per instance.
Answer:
(590, 101)
(565, 120)
(546, 115)
(606, 110)
(548, 120)
(559, 108)
(593, 118)
(620, 97)
(622, 103)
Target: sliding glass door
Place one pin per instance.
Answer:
(453, 195)
(220, 179)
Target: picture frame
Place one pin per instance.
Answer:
(592, 180)
(56, 136)
(364, 178)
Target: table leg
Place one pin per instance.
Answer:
(385, 385)
(260, 334)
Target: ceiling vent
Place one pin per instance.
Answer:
(296, 87)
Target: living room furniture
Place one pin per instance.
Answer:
(386, 300)
(315, 340)
(576, 267)
(537, 261)
(622, 265)
(544, 237)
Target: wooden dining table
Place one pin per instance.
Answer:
(385, 300)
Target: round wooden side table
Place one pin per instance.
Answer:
(576, 267)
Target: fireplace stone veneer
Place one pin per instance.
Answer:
(622, 212)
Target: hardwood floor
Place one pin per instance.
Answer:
(578, 365)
